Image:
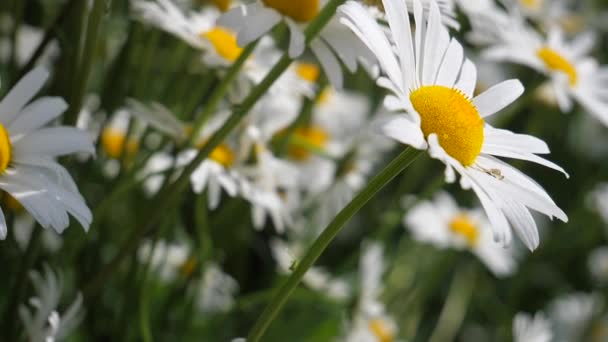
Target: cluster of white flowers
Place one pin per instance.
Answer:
(310, 142)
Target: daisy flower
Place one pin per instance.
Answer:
(28, 169)
(573, 314)
(445, 225)
(535, 328)
(573, 74)
(169, 260)
(371, 323)
(44, 322)
(215, 173)
(217, 290)
(334, 43)
(442, 116)
(597, 263)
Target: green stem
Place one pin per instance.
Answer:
(11, 318)
(220, 91)
(455, 307)
(303, 117)
(398, 164)
(168, 195)
(48, 37)
(86, 62)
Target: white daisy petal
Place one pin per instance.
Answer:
(22, 93)
(498, 97)
(405, 131)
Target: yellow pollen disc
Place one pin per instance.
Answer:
(448, 113)
(308, 71)
(113, 143)
(464, 227)
(312, 136)
(381, 330)
(298, 10)
(555, 62)
(223, 155)
(224, 42)
(188, 267)
(6, 151)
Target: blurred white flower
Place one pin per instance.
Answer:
(445, 225)
(598, 200)
(317, 278)
(168, 260)
(572, 73)
(442, 115)
(29, 171)
(572, 315)
(44, 323)
(527, 328)
(598, 264)
(217, 290)
(370, 322)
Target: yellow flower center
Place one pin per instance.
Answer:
(223, 155)
(531, 4)
(308, 72)
(312, 136)
(224, 42)
(6, 151)
(113, 143)
(463, 226)
(188, 267)
(298, 10)
(381, 330)
(555, 62)
(448, 113)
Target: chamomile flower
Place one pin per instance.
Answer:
(334, 43)
(445, 225)
(573, 313)
(197, 29)
(370, 321)
(44, 323)
(28, 169)
(441, 115)
(265, 181)
(527, 328)
(573, 74)
(168, 260)
(598, 200)
(217, 290)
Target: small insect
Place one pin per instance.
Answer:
(293, 266)
(496, 174)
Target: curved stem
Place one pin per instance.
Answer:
(220, 90)
(398, 164)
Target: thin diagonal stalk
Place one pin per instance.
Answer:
(398, 164)
(48, 37)
(167, 196)
(86, 61)
(220, 91)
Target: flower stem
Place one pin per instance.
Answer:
(86, 61)
(220, 90)
(455, 308)
(398, 164)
